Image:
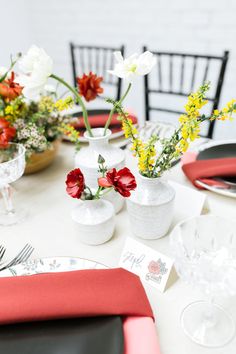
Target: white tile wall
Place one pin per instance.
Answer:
(204, 26)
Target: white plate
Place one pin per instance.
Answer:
(51, 265)
(209, 144)
(224, 192)
(221, 191)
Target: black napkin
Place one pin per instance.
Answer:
(220, 151)
(93, 335)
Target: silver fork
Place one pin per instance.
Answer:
(22, 256)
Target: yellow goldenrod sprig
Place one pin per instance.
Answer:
(71, 133)
(147, 155)
(190, 121)
(153, 164)
(226, 112)
(62, 105)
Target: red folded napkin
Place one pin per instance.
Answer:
(204, 169)
(83, 293)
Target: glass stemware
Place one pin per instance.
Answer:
(204, 249)
(12, 165)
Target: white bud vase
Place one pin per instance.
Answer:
(150, 208)
(94, 221)
(87, 160)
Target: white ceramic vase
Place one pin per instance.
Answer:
(150, 208)
(94, 221)
(87, 160)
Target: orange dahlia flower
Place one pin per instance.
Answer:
(89, 86)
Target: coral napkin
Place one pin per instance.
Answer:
(140, 336)
(205, 169)
(84, 293)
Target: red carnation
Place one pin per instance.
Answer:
(89, 86)
(122, 181)
(7, 132)
(75, 183)
(9, 89)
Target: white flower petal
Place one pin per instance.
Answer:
(133, 66)
(145, 64)
(36, 67)
(118, 56)
(50, 88)
(32, 92)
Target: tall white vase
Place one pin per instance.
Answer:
(150, 208)
(87, 160)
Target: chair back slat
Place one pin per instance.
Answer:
(194, 73)
(182, 74)
(90, 53)
(81, 54)
(159, 71)
(206, 70)
(105, 53)
(171, 73)
(193, 69)
(98, 59)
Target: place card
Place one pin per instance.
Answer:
(150, 265)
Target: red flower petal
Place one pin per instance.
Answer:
(103, 182)
(7, 132)
(75, 183)
(89, 86)
(122, 181)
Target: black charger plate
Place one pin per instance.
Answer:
(218, 152)
(94, 335)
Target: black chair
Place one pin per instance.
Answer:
(98, 59)
(178, 74)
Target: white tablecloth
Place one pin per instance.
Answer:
(49, 228)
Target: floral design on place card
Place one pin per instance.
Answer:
(150, 265)
(156, 269)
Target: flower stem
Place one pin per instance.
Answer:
(107, 191)
(13, 62)
(169, 157)
(6, 193)
(108, 122)
(97, 194)
(78, 100)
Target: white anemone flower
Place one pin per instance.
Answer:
(50, 88)
(133, 66)
(36, 67)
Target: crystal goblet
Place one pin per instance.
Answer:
(12, 165)
(204, 250)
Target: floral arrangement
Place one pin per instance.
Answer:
(37, 121)
(122, 181)
(152, 162)
(35, 124)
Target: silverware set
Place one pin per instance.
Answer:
(21, 257)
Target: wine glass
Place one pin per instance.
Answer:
(12, 165)
(204, 250)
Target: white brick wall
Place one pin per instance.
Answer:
(204, 26)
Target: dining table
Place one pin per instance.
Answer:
(50, 229)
